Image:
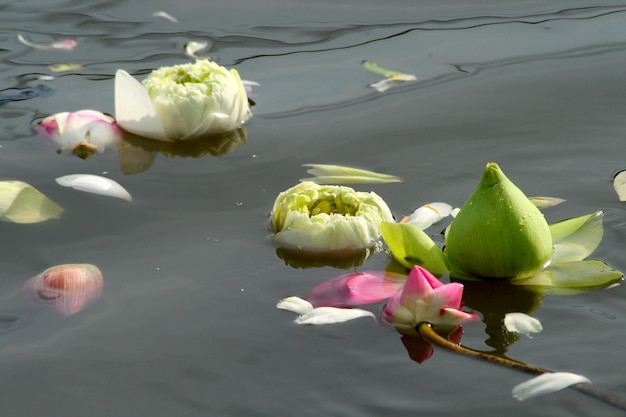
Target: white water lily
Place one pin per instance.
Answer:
(321, 315)
(546, 384)
(522, 323)
(181, 102)
(83, 133)
(327, 217)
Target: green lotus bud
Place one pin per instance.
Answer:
(499, 232)
(316, 217)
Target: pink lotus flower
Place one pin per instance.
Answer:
(425, 299)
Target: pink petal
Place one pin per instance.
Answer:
(356, 288)
(390, 308)
(419, 284)
(69, 288)
(448, 295)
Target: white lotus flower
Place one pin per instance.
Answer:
(327, 217)
(181, 102)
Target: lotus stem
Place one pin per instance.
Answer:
(427, 332)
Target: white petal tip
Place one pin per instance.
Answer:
(295, 305)
(546, 384)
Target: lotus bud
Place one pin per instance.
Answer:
(327, 217)
(499, 232)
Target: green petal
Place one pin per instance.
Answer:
(572, 277)
(575, 239)
(338, 174)
(410, 246)
(23, 203)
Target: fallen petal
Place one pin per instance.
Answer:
(295, 304)
(66, 44)
(192, 48)
(546, 384)
(619, 184)
(545, 202)
(23, 203)
(357, 288)
(165, 15)
(428, 214)
(522, 323)
(338, 174)
(64, 67)
(330, 315)
(94, 184)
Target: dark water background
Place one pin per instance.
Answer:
(187, 323)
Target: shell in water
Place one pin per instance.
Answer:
(69, 288)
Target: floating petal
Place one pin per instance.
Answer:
(193, 47)
(165, 15)
(64, 67)
(428, 214)
(545, 202)
(69, 288)
(337, 174)
(522, 323)
(619, 184)
(23, 203)
(390, 76)
(331, 315)
(94, 184)
(546, 384)
(295, 304)
(66, 44)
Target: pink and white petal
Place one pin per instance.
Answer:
(134, 110)
(454, 317)
(448, 295)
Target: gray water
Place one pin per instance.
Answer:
(187, 323)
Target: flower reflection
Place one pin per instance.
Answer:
(137, 154)
(68, 288)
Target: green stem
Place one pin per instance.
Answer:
(426, 331)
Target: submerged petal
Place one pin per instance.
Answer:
(69, 288)
(357, 288)
(546, 384)
(95, 184)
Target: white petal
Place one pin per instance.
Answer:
(429, 214)
(295, 304)
(545, 202)
(381, 86)
(94, 184)
(522, 323)
(165, 15)
(329, 315)
(546, 384)
(134, 110)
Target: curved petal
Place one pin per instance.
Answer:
(134, 110)
(295, 305)
(411, 246)
(428, 214)
(95, 184)
(546, 384)
(572, 277)
(575, 239)
(522, 323)
(448, 295)
(330, 315)
(356, 288)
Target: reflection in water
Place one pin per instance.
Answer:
(68, 288)
(137, 154)
(495, 298)
(420, 350)
(341, 259)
